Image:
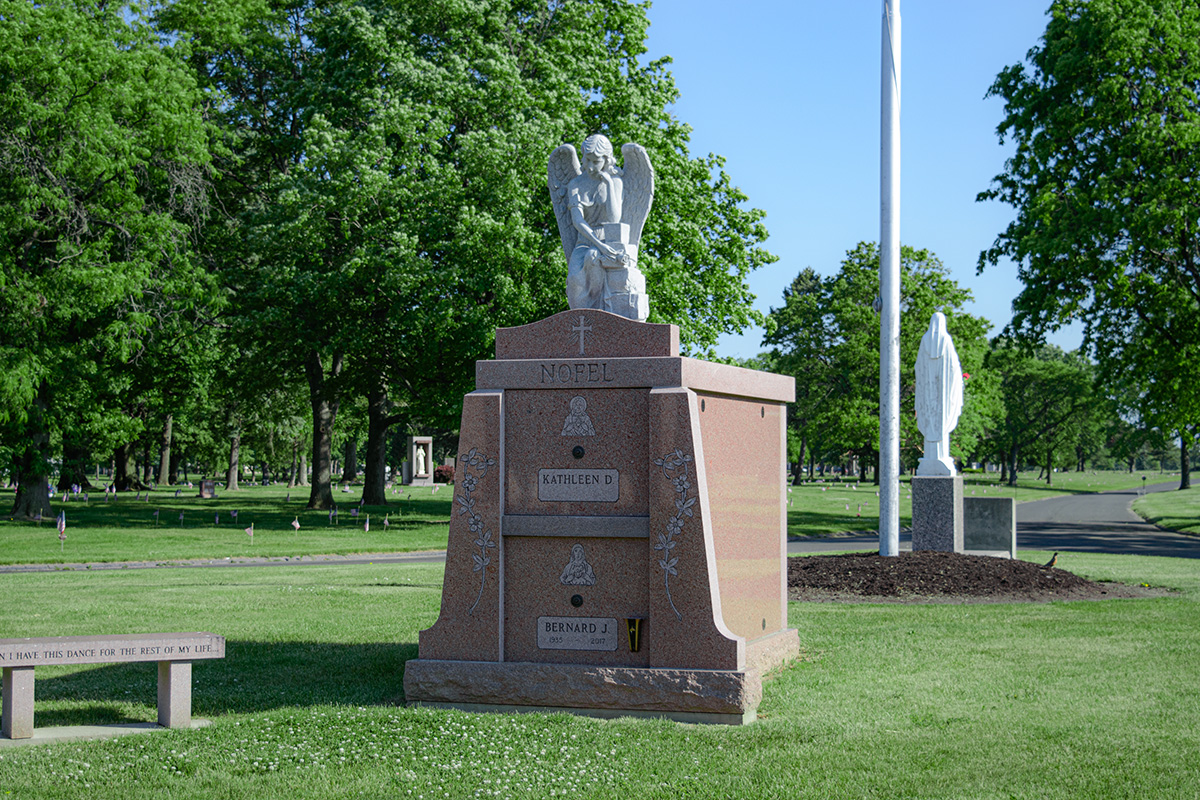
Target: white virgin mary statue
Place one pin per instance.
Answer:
(939, 397)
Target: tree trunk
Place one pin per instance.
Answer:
(302, 477)
(164, 460)
(350, 461)
(33, 466)
(292, 470)
(1049, 465)
(74, 466)
(173, 467)
(375, 470)
(1185, 468)
(125, 470)
(799, 473)
(324, 402)
(147, 465)
(231, 478)
(1015, 455)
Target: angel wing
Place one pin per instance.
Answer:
(638, 190)
(560, 171)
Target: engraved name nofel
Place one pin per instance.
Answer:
(577, 633)
(579, 485)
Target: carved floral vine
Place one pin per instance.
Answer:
(474, 460)
(675, 469)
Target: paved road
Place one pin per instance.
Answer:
(1087, 523)
(1099, 523)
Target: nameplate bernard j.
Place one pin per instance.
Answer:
(577, 633)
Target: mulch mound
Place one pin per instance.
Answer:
(934, 577)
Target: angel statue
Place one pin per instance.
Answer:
(601, 210)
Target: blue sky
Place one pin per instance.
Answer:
(788, 93)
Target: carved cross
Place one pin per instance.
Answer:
(581, 328)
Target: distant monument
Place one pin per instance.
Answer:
(937, 515)
(420, 456)
(601, 210)
(939, 396)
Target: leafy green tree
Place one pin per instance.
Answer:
(103, 155)
(827, 336)
(1047, 395)
(1105, 116)
(386, 180)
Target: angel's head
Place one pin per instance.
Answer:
(598, 155)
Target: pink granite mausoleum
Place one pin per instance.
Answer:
(618, 542)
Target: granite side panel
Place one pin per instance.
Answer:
(685, 627)
(469, 625)
(629, 688)
(587, 332)
(769, 652)
(533, 588)
(743, 461)
(990, 523)
(709, 377)
(537, 437)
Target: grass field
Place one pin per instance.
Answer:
(1061, 700)
(125, 529)
(1176, 511)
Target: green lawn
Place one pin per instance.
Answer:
(1060, 700)
(125, 529)
(819, 508)
(1177, 511)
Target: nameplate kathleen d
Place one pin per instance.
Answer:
(577, 633)
(578, 485)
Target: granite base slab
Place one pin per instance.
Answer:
(695, 718)
(726, 696)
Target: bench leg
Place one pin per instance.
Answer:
(175, 694)
(18, 703)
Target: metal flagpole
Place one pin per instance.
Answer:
(889, 285)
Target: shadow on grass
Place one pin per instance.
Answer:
(253, 677)
(815, 523)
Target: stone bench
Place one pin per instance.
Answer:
(174, 653)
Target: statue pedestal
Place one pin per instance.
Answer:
(618, 545)
(937, 513)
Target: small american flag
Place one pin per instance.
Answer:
(62, 525)
(250, 530)
(367, 524)
(354, 512)
(385, 521)
(296, 524)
